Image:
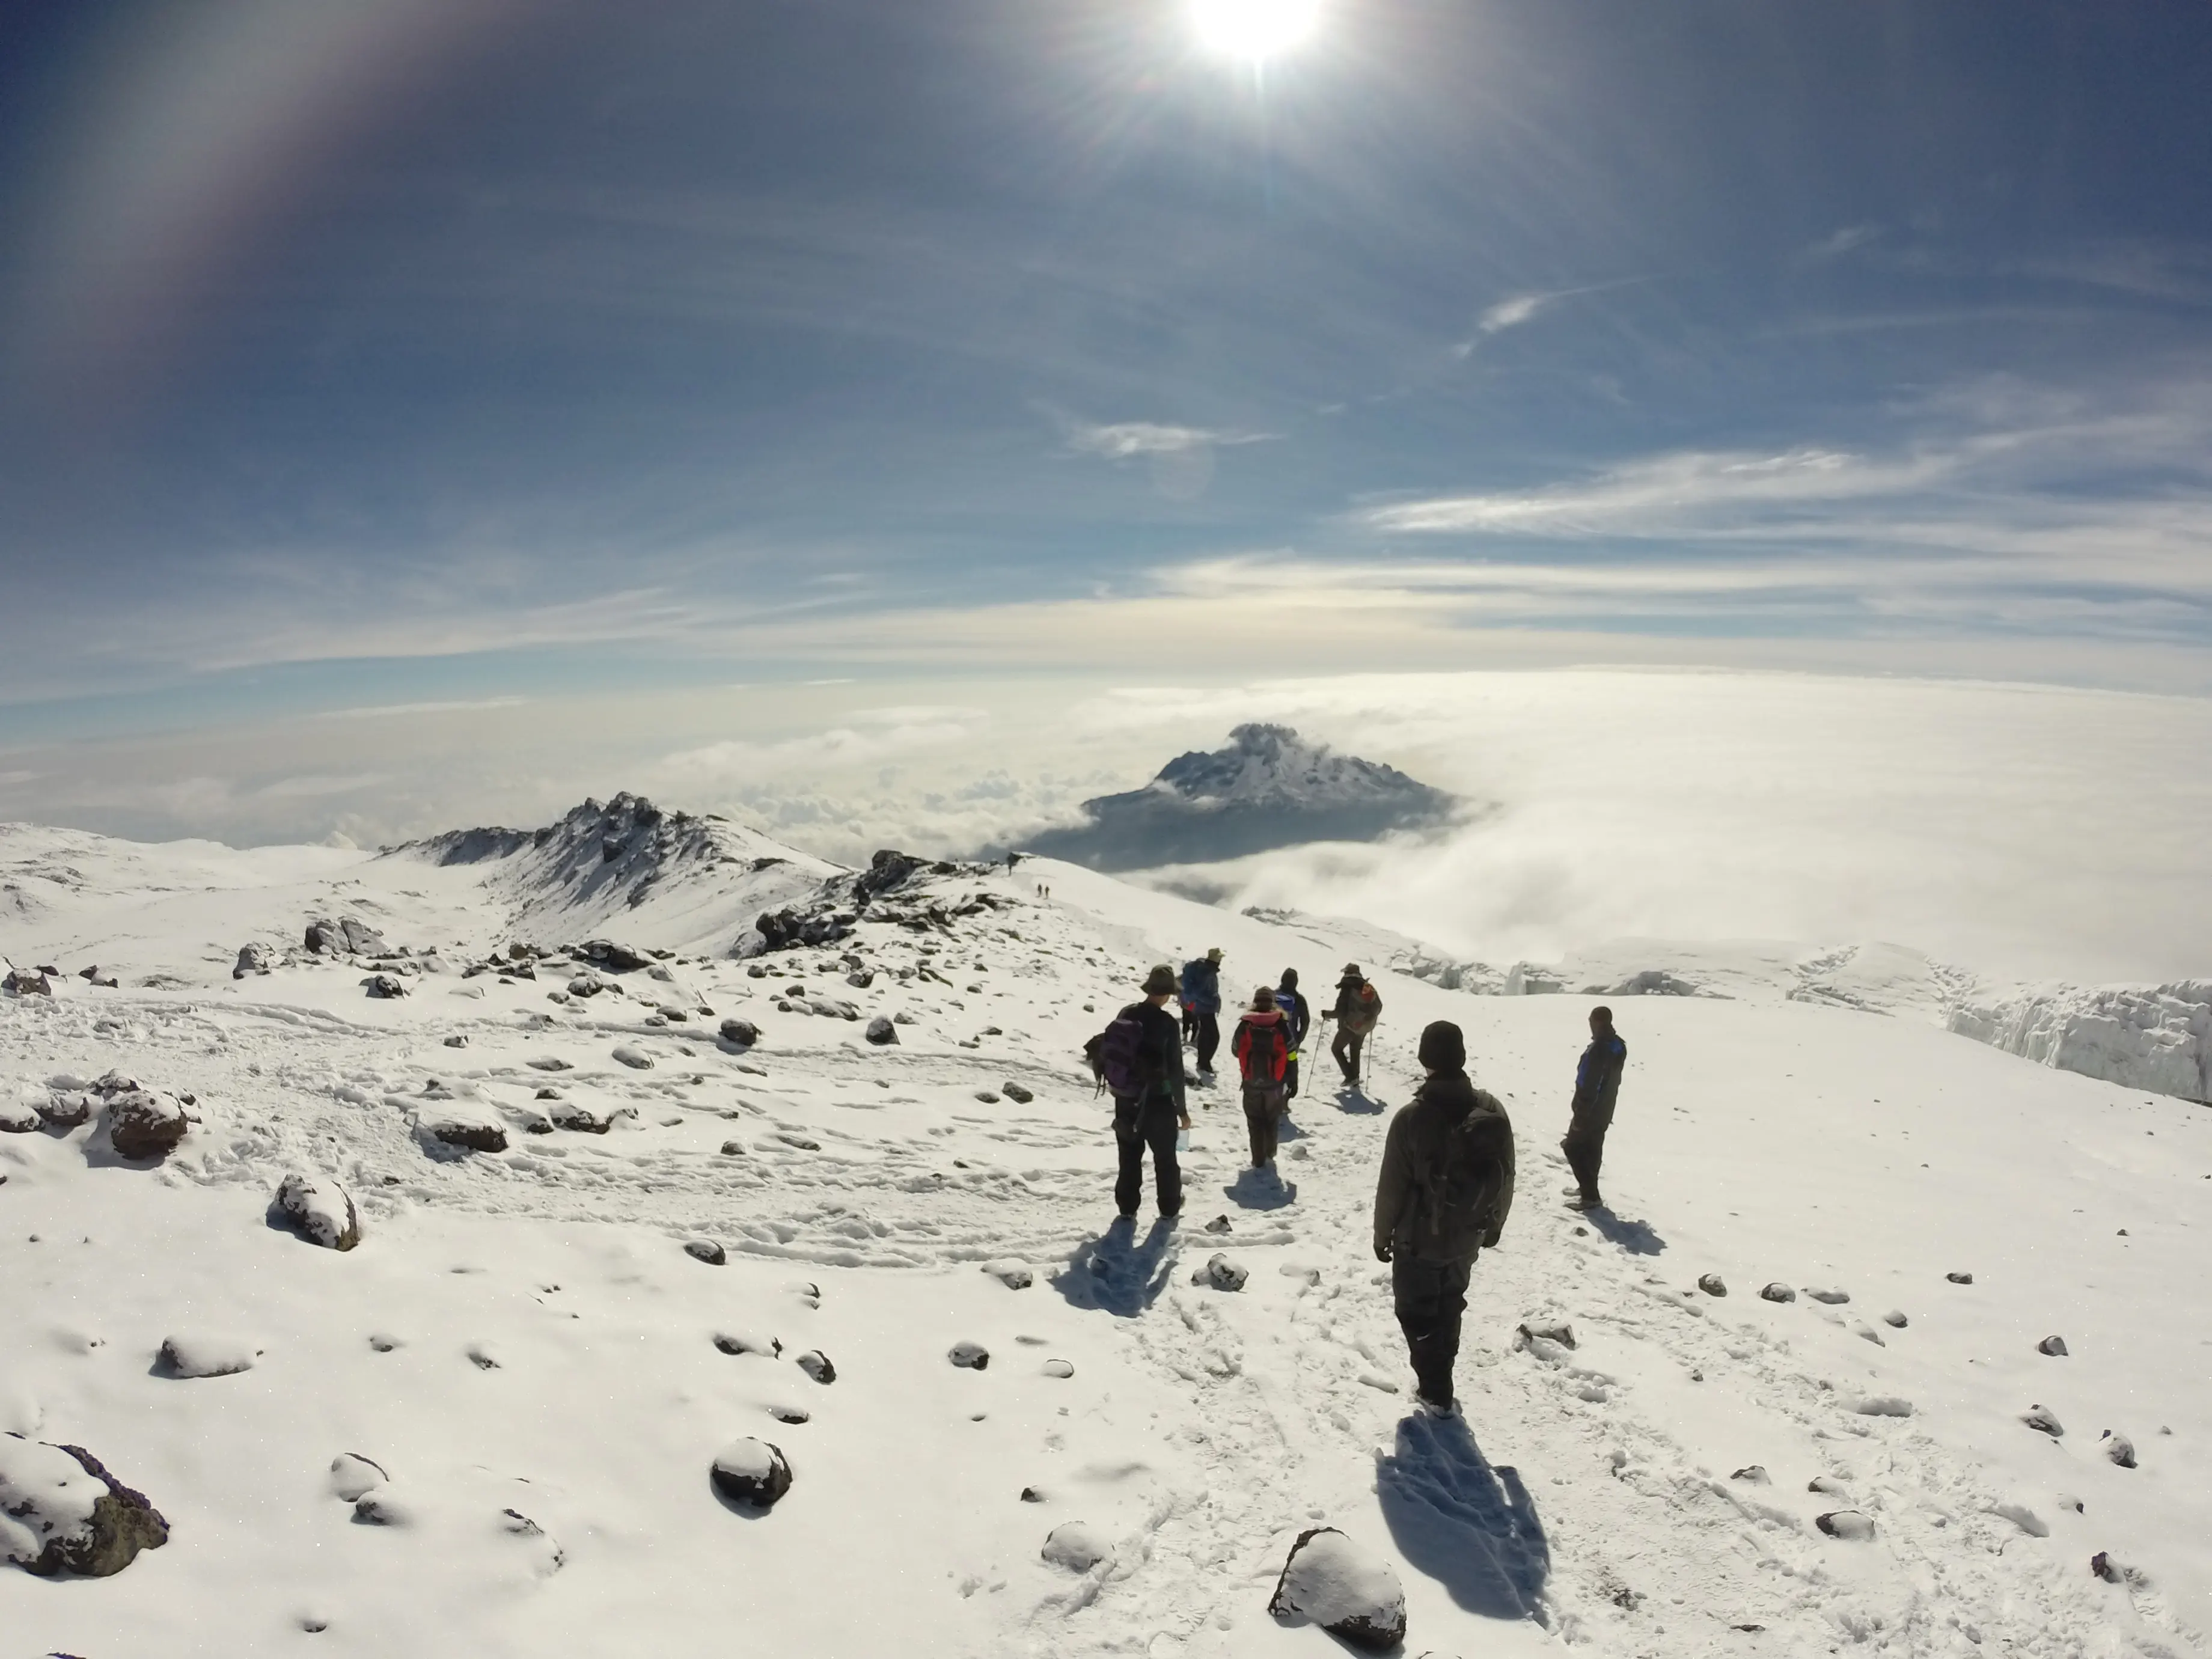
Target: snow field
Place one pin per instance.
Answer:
(523, 1330)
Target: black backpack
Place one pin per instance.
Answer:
(1460, 1193)
(1117, 1054)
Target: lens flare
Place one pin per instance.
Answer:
(1254, 29)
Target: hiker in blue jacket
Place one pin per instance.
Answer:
(1300, 1012)
(1201, 994)
(1597, 1085)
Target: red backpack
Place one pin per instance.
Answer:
(1262, 1048)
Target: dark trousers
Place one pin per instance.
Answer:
(1137, 1125)
(1430, 1297)
(1209, 1039)
(1585, 1150)
(1346, 1049)
(1291, 1077)
(1264, 1104)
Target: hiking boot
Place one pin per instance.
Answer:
(1586, 1201)
(1440, 1409)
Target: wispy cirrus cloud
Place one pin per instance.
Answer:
(1123, 440)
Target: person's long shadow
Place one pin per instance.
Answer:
(1111, 1272)
(1353, 1099)
(1469, 1525)
(1637, 1237)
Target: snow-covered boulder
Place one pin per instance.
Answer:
(1014, 1275)
(816, 1364)
(2043, 1421)
(67, 1108)
(969, 1356)
(62, 1511)
(1077, 1546)
(1845, 1523)
(27, 983)
(706, 1250)
(385, 987)
(1220, 1273)
(142, 1124)
(634, 1057)
(1329, 1580)
(253, 959)
(320, 1210)
(206, 1353)
(353, 1476)
(752, 1472)
(19, 1116)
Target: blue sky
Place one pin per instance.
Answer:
(447, 354)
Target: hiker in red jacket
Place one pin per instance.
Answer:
(1262, 1047)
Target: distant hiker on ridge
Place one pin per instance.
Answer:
(1202, 995)
(1297, 1010)
(1444, 1192)
(1140, 1060)
(1358, 1006)
(1262, 1047)
(1597, 1083)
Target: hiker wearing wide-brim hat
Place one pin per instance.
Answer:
(1358, 1006)
(1140, 1060)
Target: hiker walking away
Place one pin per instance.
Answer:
(1445, 1190)
(1201, 994)
(1358, 1006)
(1597, 1084)
(1140, 1060)
(1262, 1047)
(1300, 1012)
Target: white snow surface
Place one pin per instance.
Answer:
(523, 1344)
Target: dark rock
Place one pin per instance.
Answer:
(733, 1149)
(706, 1250)
(1219, 1225)
(1031, 1495)
(881, 1031)
(969, 1356)
(320, 1210)
(475, 1134)
(1960, 1279)
(1354, 1597)
(67, 1108)
(386, 985)
(22, 984)
(886, 871)
(1778, 1293)
(1895, 1319)
(1711, 1285)
(816, 1364)
(205, 1355)
(752, 1472)
(1754, 1473)
(2043, 1421)
(141, 1124)
(1833, 1297)
(580, 1118)
(1014, 1092)
(742, 1033)
(253, 959)
(617, 958)
(987, 1096)
(748, 1342)
(860, 978)
(43, 1489)
(2053, 1346)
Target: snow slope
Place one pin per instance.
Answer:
(523, 1347)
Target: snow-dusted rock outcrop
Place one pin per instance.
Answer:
(62, 1511)
(1348, 1592)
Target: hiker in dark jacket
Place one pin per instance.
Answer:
(1262, 1047)
(1444, 1192)
(1597, 1084)
(1358, 1006)
(1201, 994)
(1300, 1012)
(1151, 1117)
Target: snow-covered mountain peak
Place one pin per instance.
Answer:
(1274, 766)
(1269, 787)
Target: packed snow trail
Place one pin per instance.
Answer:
(522, 1332)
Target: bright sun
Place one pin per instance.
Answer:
(1254, 29)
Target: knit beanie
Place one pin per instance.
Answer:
(1442, 1049)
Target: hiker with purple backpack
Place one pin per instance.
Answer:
(1138, 1059)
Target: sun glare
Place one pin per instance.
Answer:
(1254, 29)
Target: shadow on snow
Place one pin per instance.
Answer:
(1112, 1272)
(1637, 1237)
(1468, 1524)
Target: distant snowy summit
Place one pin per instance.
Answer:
(1268, 788)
